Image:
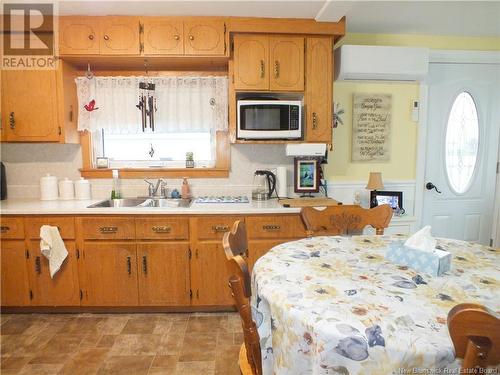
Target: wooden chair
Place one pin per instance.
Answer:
(345, 219)
(475, 332)
(235, 241)
(250, 359)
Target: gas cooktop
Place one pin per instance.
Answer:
(222, 199)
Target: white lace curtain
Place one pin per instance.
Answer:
(184, 104)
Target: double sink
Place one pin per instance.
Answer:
(144, 202)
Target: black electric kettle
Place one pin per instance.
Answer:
(264, 183)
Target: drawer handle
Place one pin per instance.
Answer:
(262, 69)
(129, 266)
(12, 120)
(145, 264)
(4, 229)
(161, 229)
(105, 230)
(270, 227)
(38, 265)
(220, 228)
(276, 69)
(315, 120)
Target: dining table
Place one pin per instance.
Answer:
(335, 305)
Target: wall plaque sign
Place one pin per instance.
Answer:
(371, 127)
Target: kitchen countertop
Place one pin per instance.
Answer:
(79, 207)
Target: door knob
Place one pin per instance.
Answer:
(430, 186)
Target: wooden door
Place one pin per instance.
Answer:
(256, 249)
(286, 59)
(203, 37)
(119, 36)
(63, 289)
(14, 274)
(163, 270)
(78, 36)
(319, 89)
(210, 275)
(29, 106)
(110, 272)
(163, 36)
(251, 58)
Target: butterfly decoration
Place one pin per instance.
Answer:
(91, 106)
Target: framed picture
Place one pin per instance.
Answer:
(102, 162)
(306, 176)
(392, 198)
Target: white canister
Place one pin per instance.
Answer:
(82, 189)
(281, 186)
(48, 188)
(66, 189)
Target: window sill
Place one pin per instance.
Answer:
(157, 172)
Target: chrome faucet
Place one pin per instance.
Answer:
(153, 188)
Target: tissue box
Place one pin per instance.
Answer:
(433, 263)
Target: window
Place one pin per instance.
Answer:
(462, 142)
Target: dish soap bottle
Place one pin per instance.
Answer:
(185, 189)
(115, 192)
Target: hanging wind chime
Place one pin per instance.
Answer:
(147, 102)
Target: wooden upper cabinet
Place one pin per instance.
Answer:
(286, 63)
(251, 62)
(319, 89)
(79, 35)
(63, 289)
(29, 106)
(14, 274)
(119, 36)
(163, 36)
(204, 37)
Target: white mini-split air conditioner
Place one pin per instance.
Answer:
(384, 63)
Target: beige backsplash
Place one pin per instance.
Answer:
(26, 163)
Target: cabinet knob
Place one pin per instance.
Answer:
(106, 37)
(191, 37)
(91, 37)
(177, 37)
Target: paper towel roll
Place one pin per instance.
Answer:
(281, 186)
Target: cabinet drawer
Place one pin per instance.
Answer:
(275, 227)
(213, 228)
(65, 224)
(107, 228)
(162, 228)
(11, 227)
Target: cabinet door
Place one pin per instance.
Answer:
(210, 275)
(110, 272)
(119, 36)
(63, 289)
(29, 107)
(14, 274)
(204, 37)
(319, 89)
(163, 274)
(163, 36)
(256, 249)
(78, 36)
(251, 56)
(286, 57)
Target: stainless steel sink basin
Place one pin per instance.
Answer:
(142, 202)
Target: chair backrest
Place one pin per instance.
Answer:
(475, 332)
(345, 219)
(239, 283)
(235, 241)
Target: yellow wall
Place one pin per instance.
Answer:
(404, 132)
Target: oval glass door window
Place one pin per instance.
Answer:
(462, 142)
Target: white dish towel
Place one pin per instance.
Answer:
(52, 247)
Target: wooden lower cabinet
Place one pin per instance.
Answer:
(163, 271)
(63, 289)
(110, 274)
(14, 274)
(257, 248)
(210, 275)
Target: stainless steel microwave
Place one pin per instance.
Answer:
(269, 119)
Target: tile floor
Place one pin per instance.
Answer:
(131, 344)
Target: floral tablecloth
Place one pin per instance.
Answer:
(334, 305)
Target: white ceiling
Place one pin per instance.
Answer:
(472, 18)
